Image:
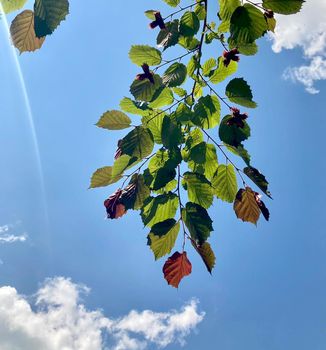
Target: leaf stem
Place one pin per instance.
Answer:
(138, 169)
(238, 170)
(210, 87)
(200, 48)
(174, 59)
(182, 9)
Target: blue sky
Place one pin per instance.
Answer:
(268, 288)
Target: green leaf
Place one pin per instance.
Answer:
(136, 193)
(258, 178)
(23, 33)
(206, 253)
(225, 183)
(238, 91)
(171, 133)
(133, 107)
(199, 189)
(197, 221)
(114, 120)
(169, 36)
(162, 237)
(173, 3)
(284, 7)
(192, 66)
(207, 112)
(232, 134)
(144, 90)
(170, 186)
(248, 49)
(227, 8)
(154, 122)
(103, 177)
(203, 159)
(160, 208)
(188, 42)
(137, 143)
(222, 72)
(162, 177)
(183, 114)
(200, 11)
(12, 5)
(189, 24)
(271, 23)
(208, 66)
(123, 163)
(150, 14)
(175, 75)
(162, 97)
(180, 92)
(48, 15)
(140, 54)
(246, 207)
(247, 24)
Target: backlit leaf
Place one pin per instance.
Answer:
(225, 183)
(176, 268)
(189, 24)
(23, 34)
(133, 107)
(162, 237)
(245, 206)
(222, 72)
(206, 253)
(140, 54)
(162, 97)
(175, 75)
(173, 3)
(114, 120)
(238, 91)
(144, 90)
(197, 221)
(137, 143)
(134, 195)
(12, 5)
(203, 159)
(103, 177)
(207, 112)
(284, 7)
(247, 24)
(199, 189)
(160, 208)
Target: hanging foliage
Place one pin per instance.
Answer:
(181, 105)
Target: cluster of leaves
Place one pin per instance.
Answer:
(30, 28)
(175, 173)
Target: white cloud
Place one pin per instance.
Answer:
(305, 30)
(58, 320)
(6, 237)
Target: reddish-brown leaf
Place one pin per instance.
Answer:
(114, 208)
(176, 267)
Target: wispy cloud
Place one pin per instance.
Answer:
(7, 237)
(305, 30)
(59, 320)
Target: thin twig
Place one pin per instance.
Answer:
(238, 170)
(182, 9)
(200, 47)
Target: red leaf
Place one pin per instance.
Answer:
(114, 208)
(176, 267)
